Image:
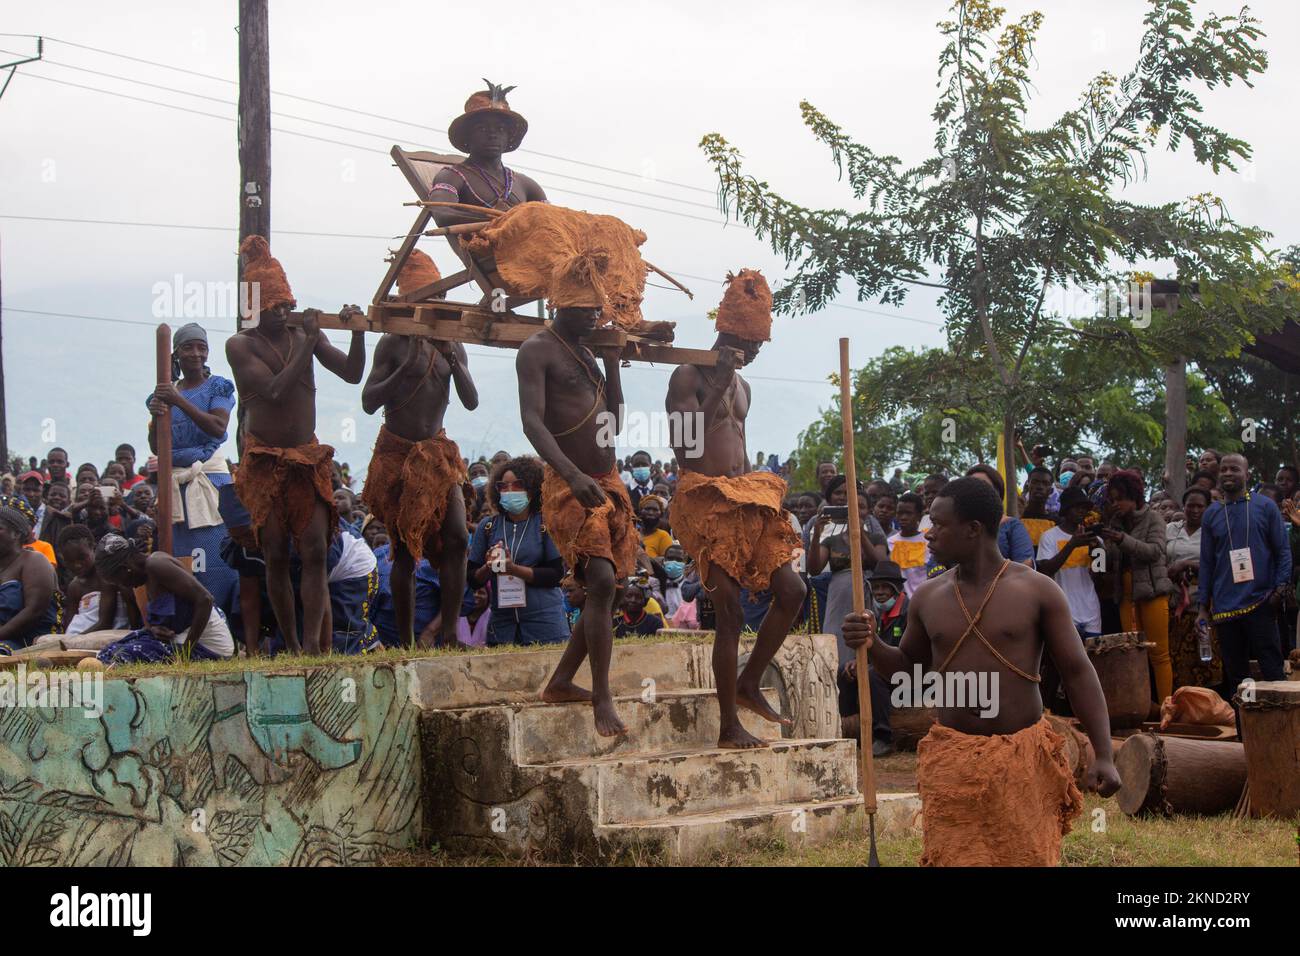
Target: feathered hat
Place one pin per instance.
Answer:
(493, 99)
(264, 269)
(746, 308)
(418, 272)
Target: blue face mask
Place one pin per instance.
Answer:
(642, 475)
(478, 481)
(888, 605)
(515, 502)
(1065, 478)
(674, 568)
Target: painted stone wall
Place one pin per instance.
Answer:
(304, 768)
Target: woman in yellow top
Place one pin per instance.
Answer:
(654, 538)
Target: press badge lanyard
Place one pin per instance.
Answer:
(511, 590)
(1243, 568)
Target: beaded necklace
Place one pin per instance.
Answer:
(497, 195)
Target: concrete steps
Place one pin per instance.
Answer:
(534, 779)
(695, 836)
(707, 780)
(547, 733)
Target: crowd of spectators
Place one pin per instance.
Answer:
(1126, 559)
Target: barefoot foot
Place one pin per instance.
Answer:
(607, 722)
(564, 693)
(752, 699)
(738, 738)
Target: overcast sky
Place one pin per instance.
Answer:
(627, 86)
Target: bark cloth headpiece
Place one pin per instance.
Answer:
(264, 269)
(493, 100)
(746, 308)
(418, 272)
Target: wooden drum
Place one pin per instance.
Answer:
(1166, 775)
(1121, 664)
(1270, 730)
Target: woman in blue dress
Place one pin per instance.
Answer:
(200, 404)
(29, 605)
(511, 548)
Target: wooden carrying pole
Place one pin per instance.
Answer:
(163, 441)
(859, 598)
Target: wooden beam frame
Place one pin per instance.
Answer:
(454, 322)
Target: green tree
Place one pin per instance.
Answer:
(926, 410)
(1002, 212)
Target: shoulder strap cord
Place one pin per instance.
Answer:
(595, 380)
(972, 625)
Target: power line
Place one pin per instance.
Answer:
(344, 235)
(493, 353)
(669, 212)
(347, 109)
(360, 132)
(356, 146)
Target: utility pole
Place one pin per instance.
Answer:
(1176, 427)
(254, 124)
(4, 428)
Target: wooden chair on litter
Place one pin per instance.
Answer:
(420, 167)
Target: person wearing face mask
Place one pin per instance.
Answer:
(479, 476)
(642, 482)
(670, 582)
(890, 600)
(513, 551)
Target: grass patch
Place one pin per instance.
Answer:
(1126, 841)
(295, 662)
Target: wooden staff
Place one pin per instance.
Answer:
(859, 601)
(458, 229)
(462, 206)
(654, 268)
(163, 441)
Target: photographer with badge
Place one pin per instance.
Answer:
(512, 549)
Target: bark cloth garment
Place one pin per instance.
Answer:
(736, 524)
(998, 799)
(579, 532)
(573, 258)
(407, 487)
(285, 481)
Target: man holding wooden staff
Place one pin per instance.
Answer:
(414, 482)
(284, 477)
(995, 786)
(728, 518)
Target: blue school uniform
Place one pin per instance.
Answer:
(428, 597)
(142, 647)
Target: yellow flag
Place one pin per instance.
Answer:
(1006, 466)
